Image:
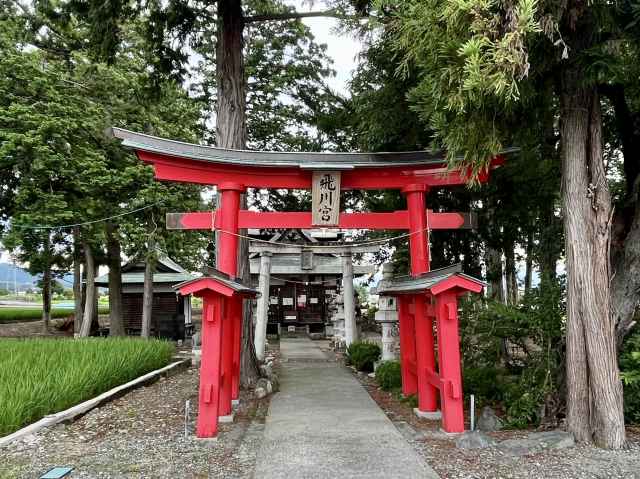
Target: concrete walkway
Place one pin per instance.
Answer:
(323, 424)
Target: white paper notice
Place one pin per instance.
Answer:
(287, 301)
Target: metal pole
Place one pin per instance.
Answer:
(473, 412)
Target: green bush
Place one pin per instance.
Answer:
(513, 354)
(44, 376)
(389, 375)
(362, 355)
(630, 367)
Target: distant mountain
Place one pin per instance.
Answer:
(23, 279)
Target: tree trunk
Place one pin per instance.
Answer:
(147, 294)
(510, 273)
(231, 132)
(116, 324)
(90, 289)
(77, 280)
(528, 273)
(493, 259)
(625, 283)
(625, 243)
(46, 284)
(231, 123)
(594, 389)
(548, 250)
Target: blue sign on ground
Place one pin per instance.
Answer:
(56, 473)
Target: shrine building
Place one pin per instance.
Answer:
(303, 283)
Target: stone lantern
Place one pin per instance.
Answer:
(387, 316)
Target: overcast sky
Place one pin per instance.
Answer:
(343, 49)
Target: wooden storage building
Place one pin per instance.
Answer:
(171, 316)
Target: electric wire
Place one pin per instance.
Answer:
(85, 223)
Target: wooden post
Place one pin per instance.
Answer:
(227, 350)
(209, 396)
(446, 306)
(262, 312)
(407, 347)
(426, 363)
(236, 315)
(350, 329)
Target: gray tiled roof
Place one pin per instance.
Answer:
(316, 160)
(422, 282)
(322, 264)
(132, 278)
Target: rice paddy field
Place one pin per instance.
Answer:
(17, 314)
(44, 376)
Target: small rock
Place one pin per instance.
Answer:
(488, 421)
(260, 393)
(536, 441)
(474, 440)
(553, 439)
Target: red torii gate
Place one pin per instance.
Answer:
(233, 171)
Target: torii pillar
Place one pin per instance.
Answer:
(417, 338)
(227, 262)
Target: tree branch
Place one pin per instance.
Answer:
(279, 17)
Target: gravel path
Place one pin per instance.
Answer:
(141, 435)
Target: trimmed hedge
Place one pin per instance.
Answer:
(362, 355)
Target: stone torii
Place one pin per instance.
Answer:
(326, 174)
(266, 250)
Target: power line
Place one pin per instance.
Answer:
(84, 223)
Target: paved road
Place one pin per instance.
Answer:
(323, 424)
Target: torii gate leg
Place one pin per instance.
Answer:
(446, 306)
(427, 393)
(262, 312)
(407, 347)
(422, 327)
(348, 297)
(227, 262)
(209, 397)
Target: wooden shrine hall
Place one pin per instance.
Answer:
(297, 282)
(326, 175)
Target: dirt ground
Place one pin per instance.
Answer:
(440, 452)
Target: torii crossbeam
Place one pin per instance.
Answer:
(233, 171)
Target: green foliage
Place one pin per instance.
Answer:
(513, 354)
(630, 368)
(389, 375)
(8, 315)
(362, 355)
(43, 376)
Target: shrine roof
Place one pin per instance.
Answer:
(290, 264)
(303, 160)
(427, 281)
(211, 281)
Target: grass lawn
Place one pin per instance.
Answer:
(11, 314)
(44, 376)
